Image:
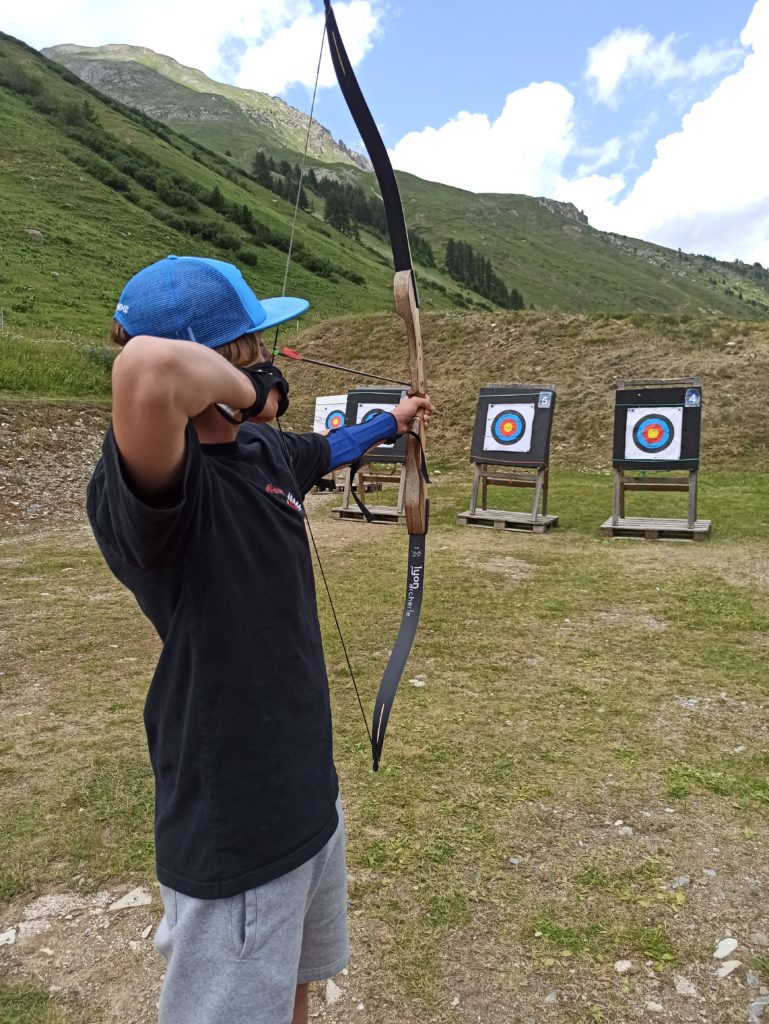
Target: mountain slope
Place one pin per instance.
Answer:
(91, 190)
(582, 356)
(221, 116)
(551, 254)
(546, 250)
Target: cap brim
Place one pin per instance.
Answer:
(281, 309)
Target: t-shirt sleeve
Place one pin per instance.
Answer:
(310, 455)
(142, 535)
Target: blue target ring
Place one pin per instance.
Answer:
(371, 414)
(653, 433)
(508, 427)
(334, 420)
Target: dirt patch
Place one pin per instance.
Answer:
(745, 569)
(78, 949)
(624, 617)
(513, 569)
(486, 553)
(332, 534)
(47, 455)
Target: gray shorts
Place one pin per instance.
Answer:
(239, 960)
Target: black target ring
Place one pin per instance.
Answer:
(653, 433)
(371, 414)
(508, 427)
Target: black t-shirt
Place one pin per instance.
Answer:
(237, 715)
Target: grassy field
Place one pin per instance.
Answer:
(594, 710)
(576, 768)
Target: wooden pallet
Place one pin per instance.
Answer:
(657, 529)
(497, 519)
(380, 513)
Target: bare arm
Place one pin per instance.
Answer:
(158, 385)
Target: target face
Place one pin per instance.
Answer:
(329, 413)
(508, 427)
(653, 433)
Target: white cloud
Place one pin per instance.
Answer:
(290, 55)
(632, 54)
(267, 44)
(706, 190)
(521, 151)
(598, 156)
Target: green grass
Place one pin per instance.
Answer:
(41, 368)
(25, 1003)
(70, 240)
(601, 940)
(743, 779)
(557, 673)
(570, 680)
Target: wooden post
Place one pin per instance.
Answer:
(474, 492)
(692, 498)
(618, 499)
(545, 490)
(537, 493)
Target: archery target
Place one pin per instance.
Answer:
(654, 433)
(508, 427)
(329, 413)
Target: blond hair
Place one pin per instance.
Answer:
(243, 351)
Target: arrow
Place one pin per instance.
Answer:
(290, 353)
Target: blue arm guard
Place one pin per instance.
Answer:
(348, 443)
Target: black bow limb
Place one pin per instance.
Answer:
(416, 503)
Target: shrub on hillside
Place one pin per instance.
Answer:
(20, 82)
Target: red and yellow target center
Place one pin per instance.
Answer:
(508, 427)
(653, 433)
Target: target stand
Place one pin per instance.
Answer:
(383, 464)
(370, 477)
(657, 429)
(329, 415)
(511, 445)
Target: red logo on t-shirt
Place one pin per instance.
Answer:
(291, 501)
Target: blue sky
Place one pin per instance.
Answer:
(647, 115)
(424, 67)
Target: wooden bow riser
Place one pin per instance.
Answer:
(415, 487)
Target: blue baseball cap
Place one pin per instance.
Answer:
(198, 299)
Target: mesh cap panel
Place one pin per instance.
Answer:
(199, 299)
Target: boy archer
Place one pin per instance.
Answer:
(196, 505)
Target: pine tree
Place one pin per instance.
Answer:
(261, 170)
(216, 200)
